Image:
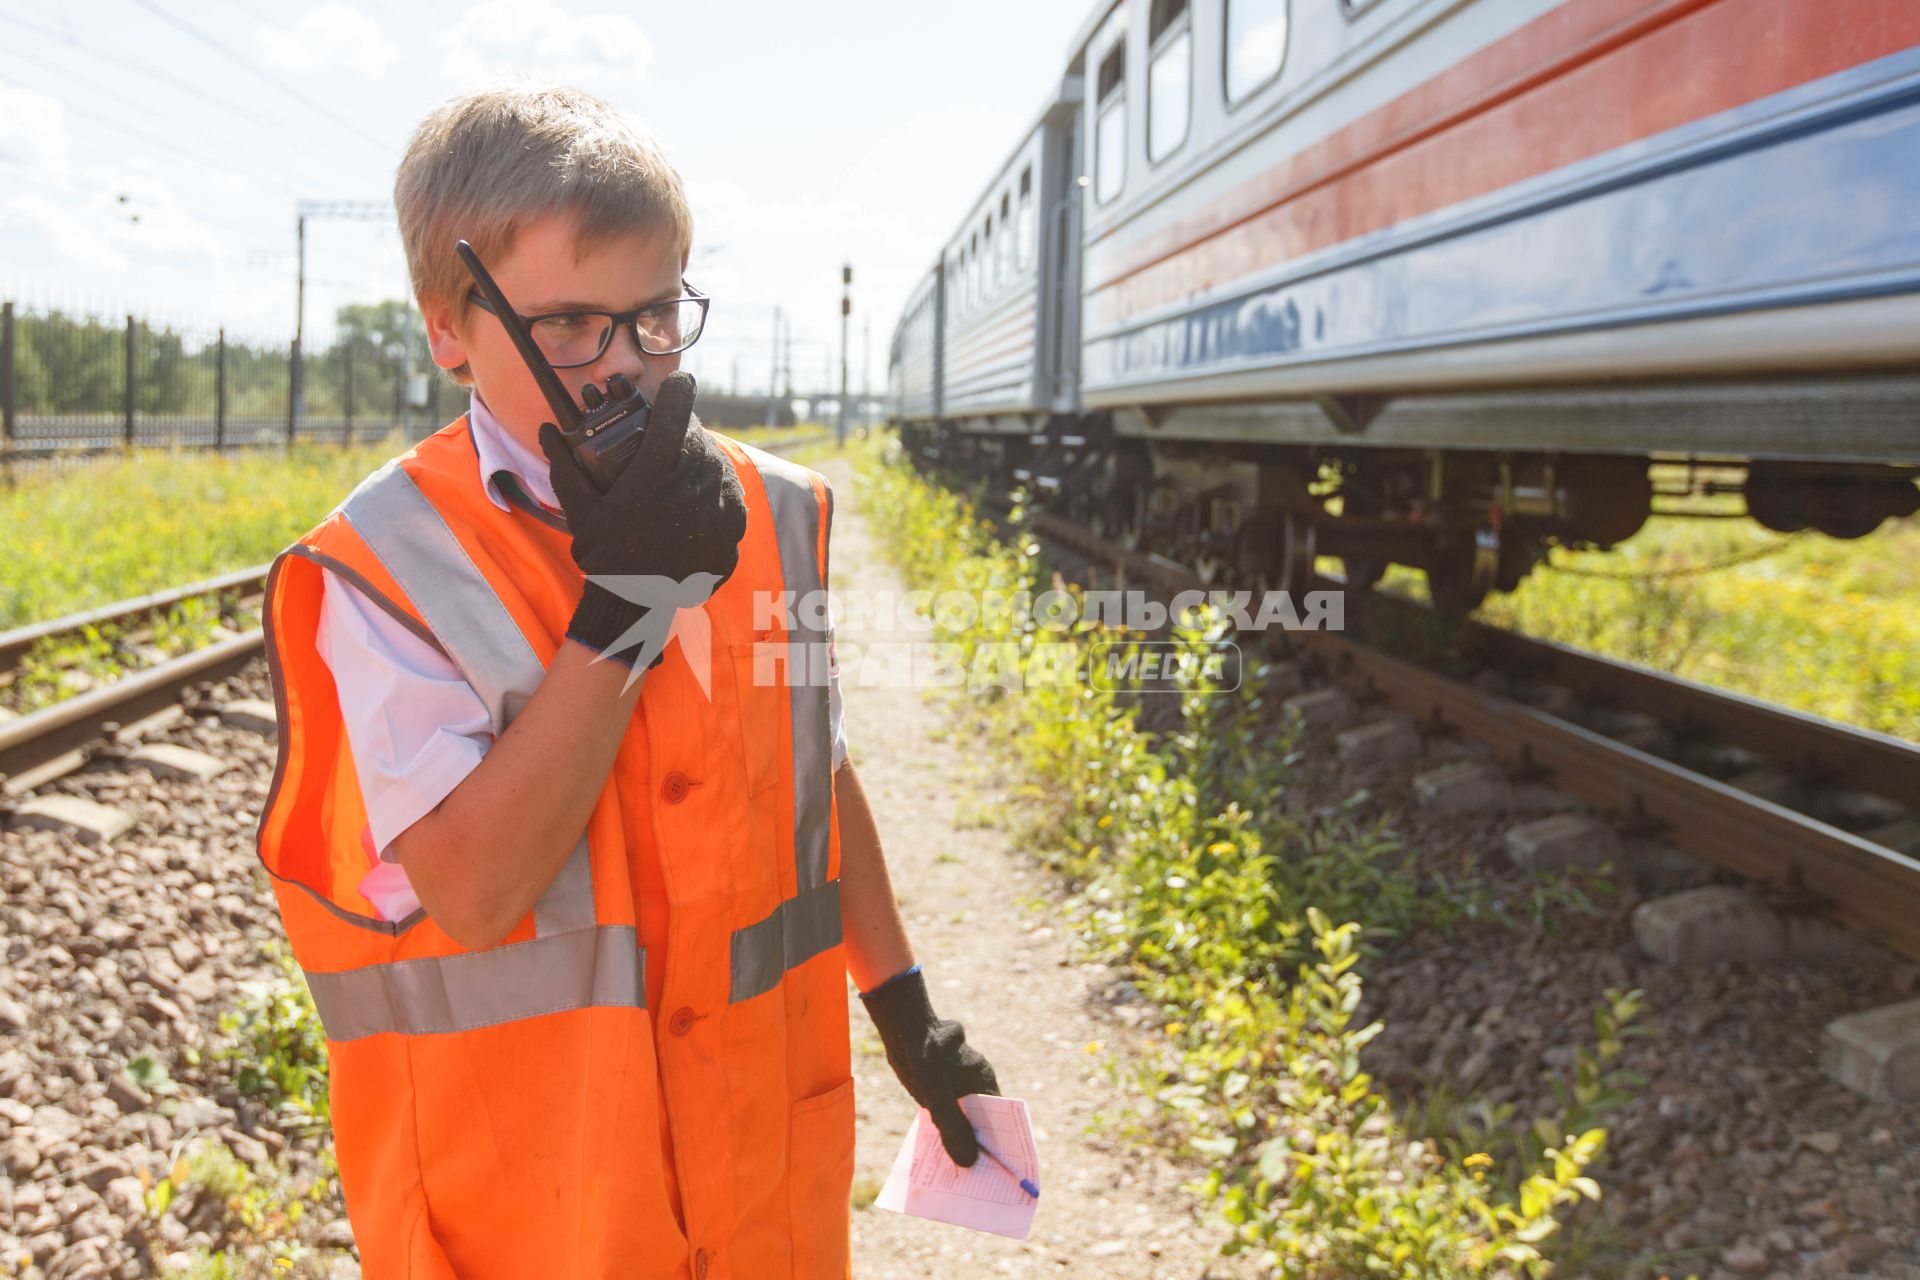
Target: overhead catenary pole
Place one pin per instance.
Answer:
(220, 393)
(349, 399)
(9, 377)
(299, 315)
(773, 374)
(129, 406)
(846, 310)
(348, 210)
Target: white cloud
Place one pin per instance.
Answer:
(329, 37)
(502, 39)
(33, 130)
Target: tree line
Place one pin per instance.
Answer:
(68, 365)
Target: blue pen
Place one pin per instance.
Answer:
(1026, 1184)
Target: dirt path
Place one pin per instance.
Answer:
(1005, 970)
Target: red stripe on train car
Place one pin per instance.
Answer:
(1570, 85)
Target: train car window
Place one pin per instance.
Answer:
(1024, 227)
(1110, 126)
(978, 269)
(1169, 77)
(1005, 264)
(1256, 45)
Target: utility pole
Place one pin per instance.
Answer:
(846, 310)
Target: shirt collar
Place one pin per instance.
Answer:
(500, 451)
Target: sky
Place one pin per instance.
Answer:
(152, 152)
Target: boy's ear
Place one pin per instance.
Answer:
(448, 348)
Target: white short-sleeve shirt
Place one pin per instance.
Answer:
(415, 727)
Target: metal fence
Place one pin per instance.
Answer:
(74, 385)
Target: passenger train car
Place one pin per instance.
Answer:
(1436, 281)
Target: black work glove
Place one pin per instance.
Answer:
(675, 512)
(932, 1059)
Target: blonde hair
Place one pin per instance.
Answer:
(482, 166)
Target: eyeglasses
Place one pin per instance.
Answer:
(570, 339)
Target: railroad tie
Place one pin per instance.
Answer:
(1876, 1053)
(1714, 924)
(1464, 786)
(1379, 742)
(170, 760)
(87, 820)
(1562, 841)
(255, 714)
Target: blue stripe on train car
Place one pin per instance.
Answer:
(1820, 205)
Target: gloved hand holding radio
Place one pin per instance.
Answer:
(932, 1059)
(675, 513)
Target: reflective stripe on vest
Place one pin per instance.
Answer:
(571, 962)
(600, 965)
(809, 922)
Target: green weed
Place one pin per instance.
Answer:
(280, 1048)
(1221, 904)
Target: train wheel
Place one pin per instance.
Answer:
(1462, 576)
(1130, 517)
(1363, 573)
(1150, 516)
(1299, 548)
(1102, 517)
(1209, 568)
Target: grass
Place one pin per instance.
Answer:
(1246, 928)
(165, 517)
(1823, 625)
(1826, 626)
(160, 519)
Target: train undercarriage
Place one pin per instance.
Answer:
(1474, 522)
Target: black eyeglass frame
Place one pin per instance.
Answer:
(615, 320)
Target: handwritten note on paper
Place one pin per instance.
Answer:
(927, 1184)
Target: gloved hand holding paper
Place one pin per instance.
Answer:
(987, 1197)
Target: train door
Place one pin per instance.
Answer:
(1060, 255)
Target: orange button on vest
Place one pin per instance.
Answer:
(502, 1114)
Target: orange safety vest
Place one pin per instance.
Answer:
(521, 1111)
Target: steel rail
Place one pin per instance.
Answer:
(15, 643)
(1813, 864)
(33, 746)
(1822, 751)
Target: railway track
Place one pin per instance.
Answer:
(1774, 820)
(43, 745)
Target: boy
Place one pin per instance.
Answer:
(580, 945)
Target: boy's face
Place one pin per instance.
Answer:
(549, 270)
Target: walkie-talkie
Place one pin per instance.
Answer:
(605, 437)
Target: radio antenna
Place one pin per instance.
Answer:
(565, 412)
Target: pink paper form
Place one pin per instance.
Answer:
(927, 1184)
